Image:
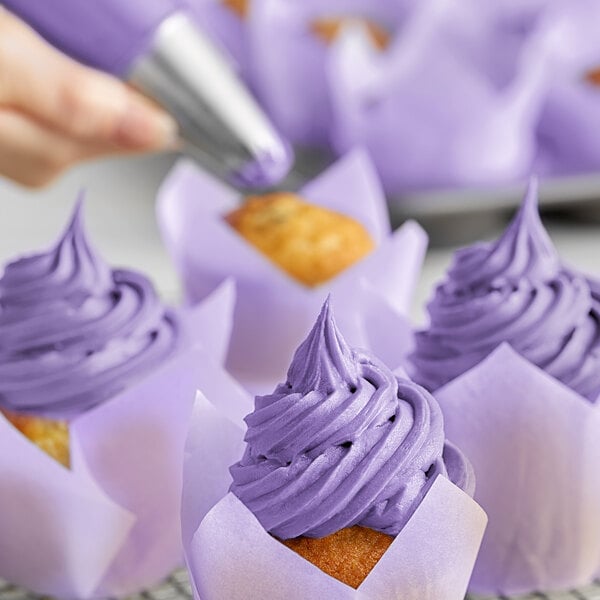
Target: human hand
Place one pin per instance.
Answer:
(55, 112)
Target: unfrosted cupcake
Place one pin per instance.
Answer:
(514, 290)
(443, 108)
(285, 252)
(291, 45)
(567, 127)
(309, 242)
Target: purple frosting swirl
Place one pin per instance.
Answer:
(514, 290)
(73, 332)
(343, 442)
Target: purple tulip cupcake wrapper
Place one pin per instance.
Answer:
(535, 448)
(230, 555)
(428, 100)
(110, 525)
(293, 82)
(572, 106)
(225, 27)
(206, 250)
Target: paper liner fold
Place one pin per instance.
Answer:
(230, 555)
(215, 441)
(58, 532)
(273, 312)
(226, 28)
(109, 525)
(571, 114)
(289, 61)
(440, 109)
(209, 323)
(535, 448)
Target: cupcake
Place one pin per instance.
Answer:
(512, 354)
(514, 290)
(443, 107)
(96, 385)
(570, 115)
(49, 435)
(335, 233)
(290, 46)
(328, 28)
(225, 21)
(341, 462)
(74, 333)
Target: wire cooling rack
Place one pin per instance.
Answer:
(591, 592)
(177, 587)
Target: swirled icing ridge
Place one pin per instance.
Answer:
(514, 290)
(343, 442)
(73, 332)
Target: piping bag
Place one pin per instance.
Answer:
(156, 46)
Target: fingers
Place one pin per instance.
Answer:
(74, 100)
(33, 155)
(55, 112)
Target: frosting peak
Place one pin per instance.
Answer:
(74, 332)
(324, 360)
(352, 445)
(70, 268)
(524, 249)
(514, 290)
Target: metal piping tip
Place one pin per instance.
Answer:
(267, 170)
(221, 124)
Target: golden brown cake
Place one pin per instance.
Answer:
(593, 76)
(239, 7)
(51, 436)
(328, 29)
(310, 243)
(349, 555)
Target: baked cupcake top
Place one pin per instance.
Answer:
(310, 243)
(514, 290)
(73, 331)
(342, 442)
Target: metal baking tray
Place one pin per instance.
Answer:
(462, 215)
(466, 214)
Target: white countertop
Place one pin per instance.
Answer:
(120, 218)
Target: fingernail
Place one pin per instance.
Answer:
(167, 131)
(142, 127)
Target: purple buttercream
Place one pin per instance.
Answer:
(266, 169)
(73, 332)
(514, 290)
(343, 442)
(106, 35)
